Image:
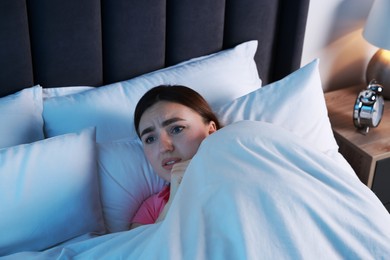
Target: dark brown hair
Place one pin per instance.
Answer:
(178, 94)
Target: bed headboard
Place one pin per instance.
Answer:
(95, 42)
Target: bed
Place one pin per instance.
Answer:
(269, 184)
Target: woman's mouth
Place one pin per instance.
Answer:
(168, 163)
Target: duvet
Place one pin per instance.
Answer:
(253, 191)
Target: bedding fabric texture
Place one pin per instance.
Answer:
(295, 102)
(63, 91)
(49, 192)
(219, 77)
(21, 117)
(279, 196)
(126, 180)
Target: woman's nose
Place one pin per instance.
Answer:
(165, 144)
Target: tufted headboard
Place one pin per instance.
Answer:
(95, 42)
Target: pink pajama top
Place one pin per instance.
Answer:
(151, 208)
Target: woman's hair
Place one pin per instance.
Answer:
(177, 94)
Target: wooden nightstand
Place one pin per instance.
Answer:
(369, 155)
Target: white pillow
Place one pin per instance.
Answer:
(49, 192)
(295, 102)
(21, 117)
(126, 180)
(63, 91)
(219, 77)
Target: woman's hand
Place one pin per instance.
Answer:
(177, 174)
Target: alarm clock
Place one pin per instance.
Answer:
(368, 109)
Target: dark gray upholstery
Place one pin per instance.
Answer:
(16, 71)
(95, 42)
(66, 41)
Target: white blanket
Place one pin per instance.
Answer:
(254, 191)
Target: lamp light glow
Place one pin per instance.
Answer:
(377, 32)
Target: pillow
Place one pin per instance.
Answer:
(63, 91)
(21, 117)
(49, 192)
(219, 77)
(126, 180)
(295, 102)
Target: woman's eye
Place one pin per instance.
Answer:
(149, 140)
(177, 129)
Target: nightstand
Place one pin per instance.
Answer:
(369, 155)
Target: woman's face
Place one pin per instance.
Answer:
(170, 133)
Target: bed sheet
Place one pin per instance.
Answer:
(253, 191)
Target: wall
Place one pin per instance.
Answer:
(334, 34)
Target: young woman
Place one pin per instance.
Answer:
(171, 122)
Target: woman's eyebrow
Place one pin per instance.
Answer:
(171, 121)
(147, 130)
(164, 124)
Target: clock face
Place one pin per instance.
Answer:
(377, 111)
(368, 110)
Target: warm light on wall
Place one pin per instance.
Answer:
(377, 32)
